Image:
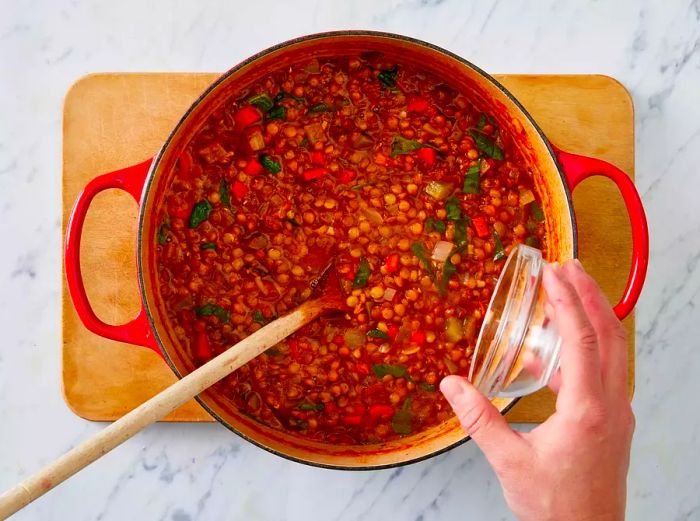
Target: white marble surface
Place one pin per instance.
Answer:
(188, 472)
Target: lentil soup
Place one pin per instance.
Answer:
(399, 177)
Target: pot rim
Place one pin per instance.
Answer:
(182, 121)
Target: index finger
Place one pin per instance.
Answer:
(612, 336)
(580, 360)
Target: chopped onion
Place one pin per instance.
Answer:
(453, 329)
(354, 338)
(389, 294)
(314, 132)
(256, 141)
(451, 367)
(373, 216)
(410, 350)
(438, 190)
(526, 197)
(432, 130)
(259, 242)
(442, 251)
(385, 348)
(469, 327)
(253, 401)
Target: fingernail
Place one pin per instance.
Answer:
(451, 387)
(578, 264)
(553, 268)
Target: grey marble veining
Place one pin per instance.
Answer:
(196, 472)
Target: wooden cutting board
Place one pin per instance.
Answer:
(114, 120)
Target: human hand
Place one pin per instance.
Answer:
(574, 466)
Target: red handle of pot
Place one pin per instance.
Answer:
(136, 331)
(576, 169)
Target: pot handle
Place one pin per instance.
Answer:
(578, 168)
(137, 331)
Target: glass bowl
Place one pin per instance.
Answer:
(517, 351)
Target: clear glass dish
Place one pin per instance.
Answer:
(517, 351)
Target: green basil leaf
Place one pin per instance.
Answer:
(536, 211)
(397, 371)
(362, 274)
(482, 122)
(402, 421)
(498, 250)
(453, 209)
(273, 351)
(277, 112)
(472, 180)
(304, 143)
(532, 241)
(487, 145)
(460, 237)
(320, 107)
(311, 406)
(208, 246)
(261, 101)
(163, 234)
(437, 225)
(418, 249)
(388, 77)
(200, 213)
(378, 333)
(448, 269)
(292, 221)
(212, 309)
(260, 318)
(281, 95)
(428, 388)
(531, 225)
(270, 164)
(400, 145)
(224, 194)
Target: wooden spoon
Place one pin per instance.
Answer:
(171, 398)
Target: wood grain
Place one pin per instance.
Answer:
(115, 120)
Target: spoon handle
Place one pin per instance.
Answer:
(156, 408)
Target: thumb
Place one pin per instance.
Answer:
(482, 421)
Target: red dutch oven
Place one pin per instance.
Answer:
(557, 173)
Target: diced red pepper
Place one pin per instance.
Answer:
(330, 407)
(392, 331)
(184, 163)
(427, 155)
(362, 368)
(482, 229)
(239, 189)
(352, 419)
(417, 104)
(318, 158)
(381, 412)
(418, 337)
(314, 173)
(339, 340)
(294, 348)
(359, 409)
(202, 348)
(392, 263)
(346, 176)
(254, 167)
(247, 116)
(350, 275)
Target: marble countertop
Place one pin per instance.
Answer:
(196, 472)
